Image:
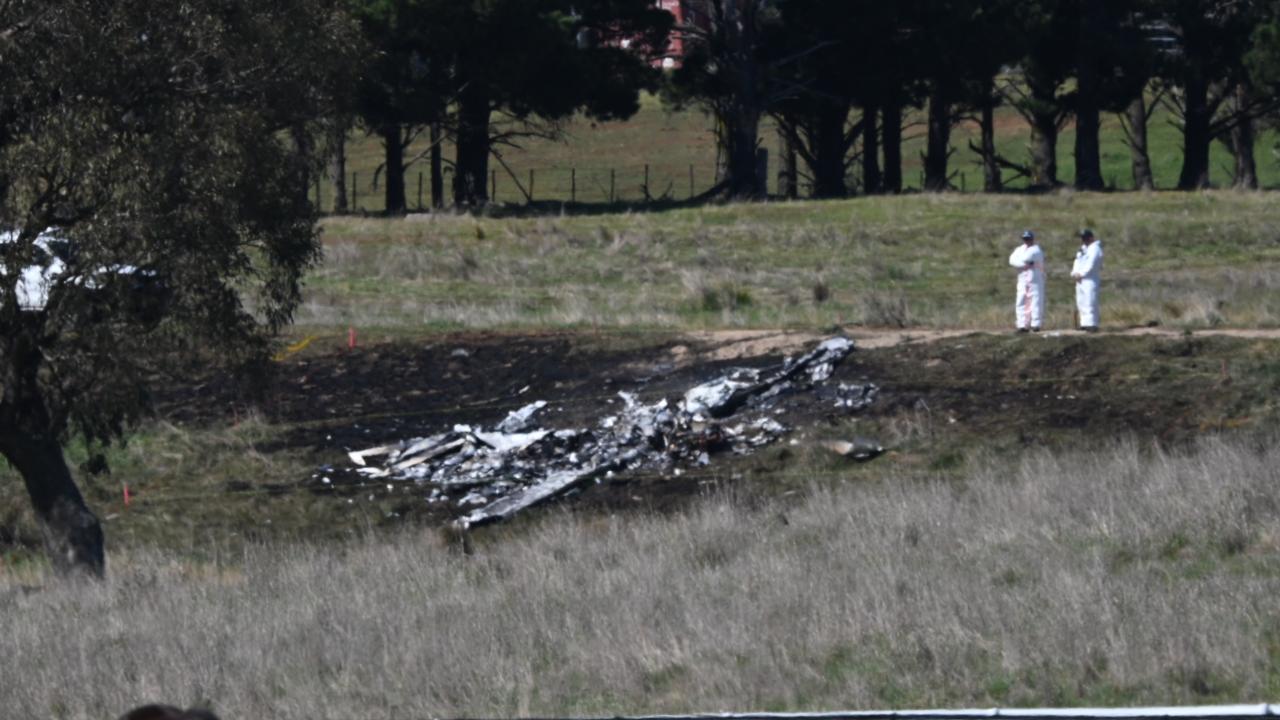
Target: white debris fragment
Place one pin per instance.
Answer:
(521, 419)
(855, 397)
(472, 498)
(359, 457)
(716, 393)
(510, 442)
(860, 448)
(769, 425)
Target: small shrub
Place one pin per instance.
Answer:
(886, 310)
(724, 296)
(821, 291)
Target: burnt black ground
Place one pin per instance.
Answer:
(940, 403)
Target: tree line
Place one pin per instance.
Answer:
(839, 78)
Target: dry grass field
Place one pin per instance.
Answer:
(1120, 575)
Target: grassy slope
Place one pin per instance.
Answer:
(1115, 576)
(1184, 260)
(671, 142)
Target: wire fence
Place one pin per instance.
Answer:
(648, 183)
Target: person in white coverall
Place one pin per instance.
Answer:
(1028, 259)
(1087, 272)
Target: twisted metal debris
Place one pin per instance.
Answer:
(494, 474)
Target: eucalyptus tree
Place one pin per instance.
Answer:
(154, 141)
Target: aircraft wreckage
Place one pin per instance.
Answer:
(492, 474)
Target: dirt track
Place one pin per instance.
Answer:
(738, 344)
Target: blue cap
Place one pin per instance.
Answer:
(1028, 235)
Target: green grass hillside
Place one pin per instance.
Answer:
(1181, 260)
(673, 143)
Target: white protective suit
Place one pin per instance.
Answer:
(1028, 307)
(1088, 267)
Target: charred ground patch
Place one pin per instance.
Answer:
(219, 466)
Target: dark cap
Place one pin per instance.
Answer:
(1086, 233)
(1028, 235)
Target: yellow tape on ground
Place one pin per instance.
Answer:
(295, 348)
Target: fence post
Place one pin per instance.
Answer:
(319, 208)
(493, 185)
(613, 176)
(962, 182)
(648, 196)
(419, 192)
(690, 181)
(530, 186)
(355, 191)
(573, 185)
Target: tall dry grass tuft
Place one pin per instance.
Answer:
(1124, 575)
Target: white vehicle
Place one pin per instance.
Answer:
(48, 268)
(36, 281)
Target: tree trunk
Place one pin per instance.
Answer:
(1044, 150)
(29, 441)
(1087, 150)
(828, 148)
(891, 116)
(393, 149)
(992, 181)
(741, 138)
(871, 179)
(788, 178)
(437, 167)
(736, 23)
(471, 164)
(1136, 116)
(1196, 136)
(304, 144)
(71, 532)
(938, 146)
(338, 169)
(1242, 145)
